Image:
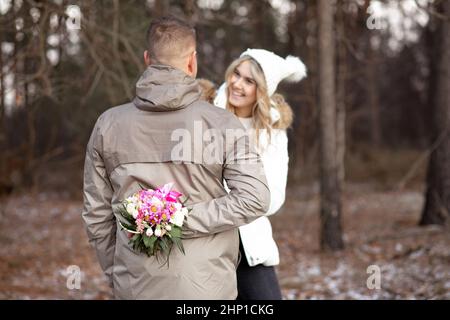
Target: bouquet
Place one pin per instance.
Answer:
(153, 220)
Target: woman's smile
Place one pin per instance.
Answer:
(242, 90)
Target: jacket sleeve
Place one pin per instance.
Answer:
(276, 159)
(97, 213)
(248, 199)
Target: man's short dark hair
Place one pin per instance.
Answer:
(169, 37)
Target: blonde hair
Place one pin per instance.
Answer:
(261, 109)
(208, 90)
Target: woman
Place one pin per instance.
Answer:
(249, 92)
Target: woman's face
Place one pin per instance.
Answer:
(242, 90)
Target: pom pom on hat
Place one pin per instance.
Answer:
(295, 64)
(277, 69)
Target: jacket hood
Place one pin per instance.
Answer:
(164, 88)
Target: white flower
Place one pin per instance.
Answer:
(132, 199)
(158, 232)
(156, 202)
(149, 232)
(177, 206)
(178, 217)
(168, 228)
(131, 209)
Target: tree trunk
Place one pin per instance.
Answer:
(160, 8)
(15, 70)
(372, 88)
(297, 34)
(189, 8)
(2, 85)
(341, 101)
(258, 21)
(437, 197)
(330, 212)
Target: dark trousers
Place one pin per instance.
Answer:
(256, 283)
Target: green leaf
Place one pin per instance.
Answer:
(142, 188)
(131, 221)
(186, 198)
(128, 226)
(129, 218)
(123, 209)
(136, 241)
(175, 232)
(149, 242)
(179, 244)
(163, 244)
(146, 241)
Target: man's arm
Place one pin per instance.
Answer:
(249, 196)
(97, 211)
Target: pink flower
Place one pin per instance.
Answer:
(166, 188)
(145, 194)
(140, 226)
(141, 214)
(173, 196)
(166, 215)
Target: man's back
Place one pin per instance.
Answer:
(167, 135)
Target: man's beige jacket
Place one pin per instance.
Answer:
(168, 135)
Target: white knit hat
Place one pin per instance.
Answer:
(277, 69)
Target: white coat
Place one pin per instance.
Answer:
(257, 239)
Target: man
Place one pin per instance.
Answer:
(133, 144)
